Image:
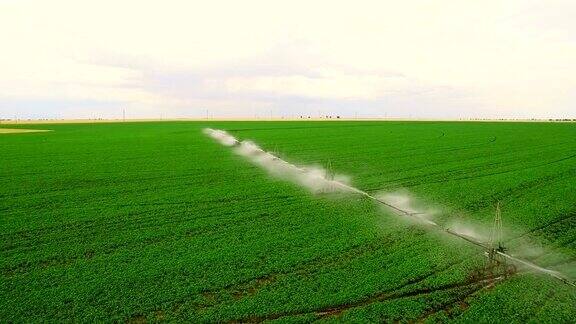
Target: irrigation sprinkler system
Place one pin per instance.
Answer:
(499, 263)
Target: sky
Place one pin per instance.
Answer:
(255, 59)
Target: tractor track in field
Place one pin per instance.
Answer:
(513, 170)
(62, 260)
(517, 191)
(250, 286)
(443, 175)
(446, 179)
(473, 286)
(30, 238)
(425, 150)
(147, 222)
(304, 268)
(307, 268)
(460, 302)
(393, 293)
(570, 217)
(472, 146)
(453, 172)
(398, 293)
(549, 224)
(522, 188)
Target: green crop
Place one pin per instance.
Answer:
(158, 222)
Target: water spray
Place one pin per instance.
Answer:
(323, 180)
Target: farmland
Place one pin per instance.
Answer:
(158, 222)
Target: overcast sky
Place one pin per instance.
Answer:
(426, 59)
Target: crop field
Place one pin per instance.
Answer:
(156, 221)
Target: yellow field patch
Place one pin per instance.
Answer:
(20, 130)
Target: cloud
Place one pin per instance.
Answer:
(329, 85)
(445, 58)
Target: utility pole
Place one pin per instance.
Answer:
(123, 115)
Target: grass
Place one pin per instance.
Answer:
(157, 222)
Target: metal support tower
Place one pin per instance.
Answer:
(329, 175)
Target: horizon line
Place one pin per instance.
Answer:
(239, 119)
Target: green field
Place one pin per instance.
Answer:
(158, 222)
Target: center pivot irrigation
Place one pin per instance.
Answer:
(322, 180)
